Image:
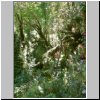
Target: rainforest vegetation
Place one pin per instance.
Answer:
(50, 49)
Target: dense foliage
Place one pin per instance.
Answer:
(50, 49)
